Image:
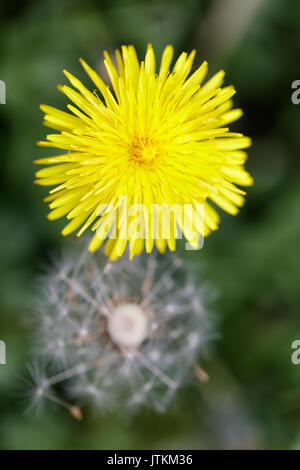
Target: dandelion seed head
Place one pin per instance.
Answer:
(120, 338)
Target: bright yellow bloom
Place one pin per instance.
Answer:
(153, 139)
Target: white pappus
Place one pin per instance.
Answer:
(119, 335)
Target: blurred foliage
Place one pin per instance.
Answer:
(253, 397)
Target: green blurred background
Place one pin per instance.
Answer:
(253, 397)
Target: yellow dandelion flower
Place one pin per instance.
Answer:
(152, 139)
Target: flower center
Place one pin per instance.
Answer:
(143, 150)
(128, 325)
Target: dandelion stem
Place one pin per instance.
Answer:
(156, 371)
(80, 261)
(78, 290)
(160, 283)
(77, 370)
